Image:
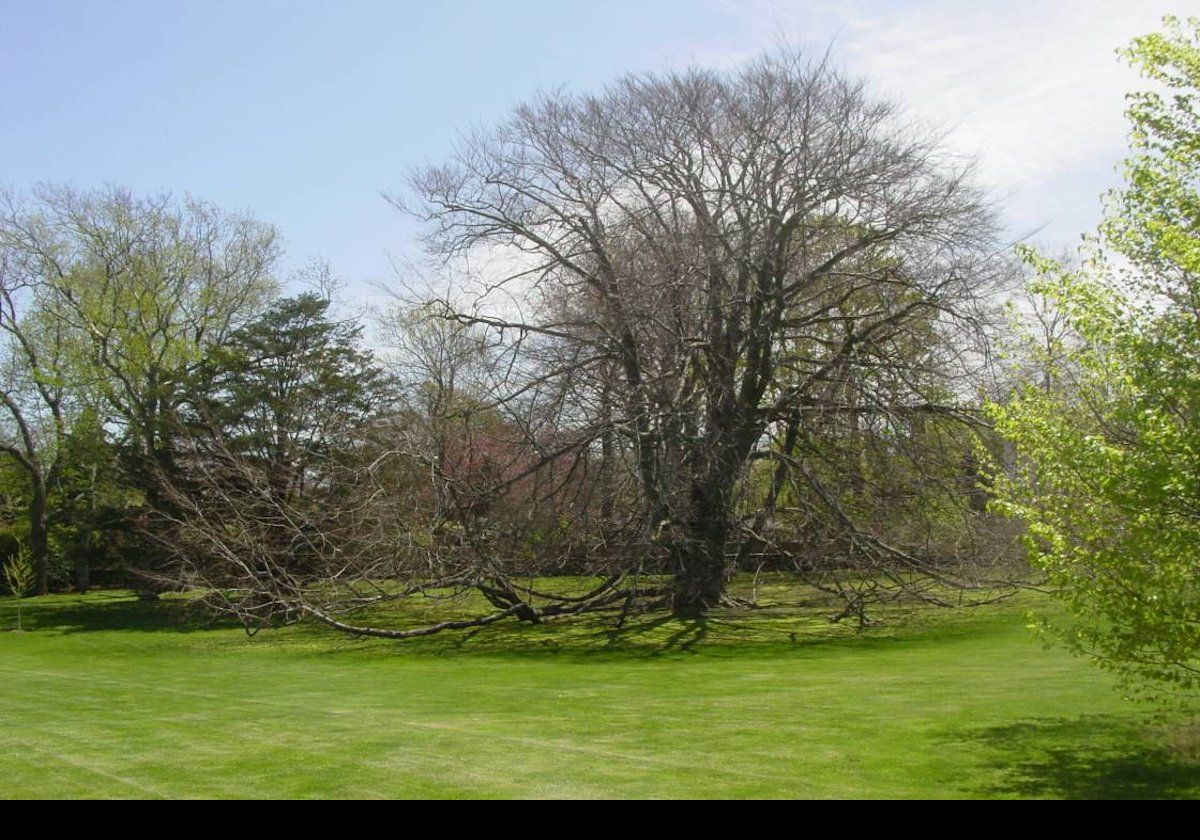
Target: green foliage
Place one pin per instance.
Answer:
(18, 576)
(1108, 474)
(143, 287)
(90, 503)
(18, 572)
(113, 300)
(288, 390)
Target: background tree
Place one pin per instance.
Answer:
(289, 390)
(112, 300)
(146, 286)
(91, 502)
(417, 501)
(264, 495)
(36, 372)
(1109, 441)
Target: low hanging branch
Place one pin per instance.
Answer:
(723, 318)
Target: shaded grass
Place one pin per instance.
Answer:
(1087, 757)
(111, 697)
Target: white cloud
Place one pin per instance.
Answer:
(1035, 90)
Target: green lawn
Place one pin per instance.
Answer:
(108, 697)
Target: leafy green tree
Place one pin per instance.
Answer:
(36, 404)
(90, 503)
(144, 288)
(1108, 471)
(290, 389)
(19, 576)
(271, 445)
(112, 300)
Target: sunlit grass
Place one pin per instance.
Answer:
(109, 697)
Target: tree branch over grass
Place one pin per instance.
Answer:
(721, 318)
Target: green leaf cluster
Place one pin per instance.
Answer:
(1107, 476)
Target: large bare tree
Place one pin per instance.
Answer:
(709, 266)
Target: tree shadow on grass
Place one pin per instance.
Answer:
(652, 635)
(1091, 757)
(583, 640)
(727, 633)
(690, 633)
(732, 635)
(587, 637)
(107, 611)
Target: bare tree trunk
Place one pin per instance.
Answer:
(702, 568)
(700, 581)
(83, 552)
(973, 483)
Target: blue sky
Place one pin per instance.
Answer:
(302, 112)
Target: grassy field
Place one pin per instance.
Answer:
(108, 697)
